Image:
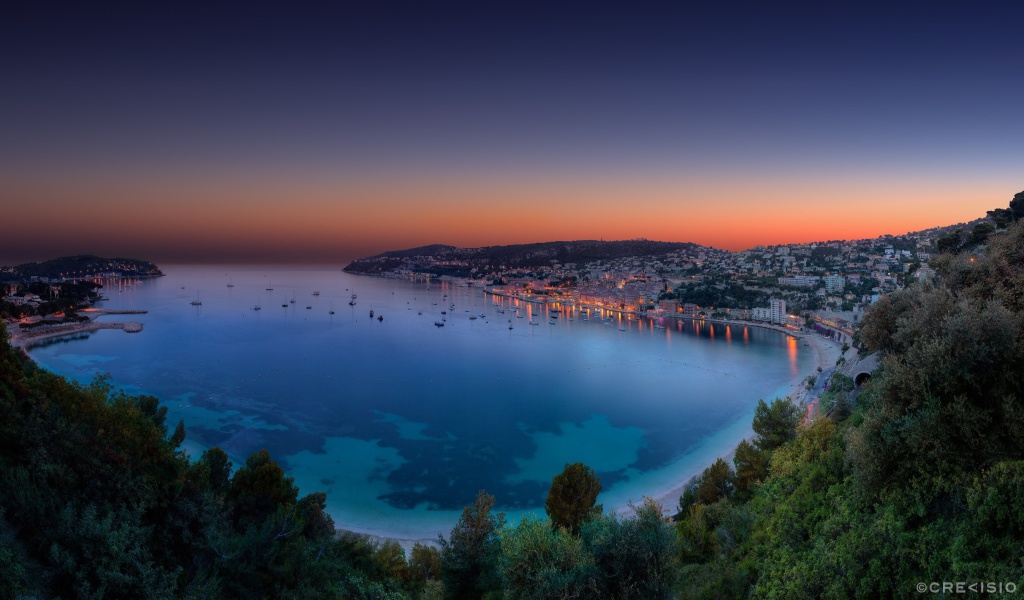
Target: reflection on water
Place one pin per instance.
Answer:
(400, 421)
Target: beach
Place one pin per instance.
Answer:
(827, 352)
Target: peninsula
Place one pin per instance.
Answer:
(53, 298)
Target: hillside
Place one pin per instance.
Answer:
(84, 265)
(440, 259)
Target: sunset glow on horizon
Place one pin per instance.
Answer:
(259, 136)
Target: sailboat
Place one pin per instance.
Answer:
(271, 288)
(230, 283)
(332, 308)
(198, 301)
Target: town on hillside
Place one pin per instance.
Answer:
(825, 286)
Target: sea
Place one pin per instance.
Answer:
(401, 421)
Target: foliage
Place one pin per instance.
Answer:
(924, 481)
(469, 555)
(775, 424)
(541, 561)
(572, 498)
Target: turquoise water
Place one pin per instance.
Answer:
(401, 422)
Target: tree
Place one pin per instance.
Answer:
(1017, 206)
(635, 555)
(1001, 217)
(979, 233)
(950, 243)
(751, 466)
(259, 488)
(469, 555)
(776, 424)
(572, 498)
(717, 482)
(539, 562)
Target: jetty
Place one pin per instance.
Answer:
(25, 338)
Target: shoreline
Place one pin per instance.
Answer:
(827, 352)
(665, 491)
(26, 339)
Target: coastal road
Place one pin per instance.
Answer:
(816, 392)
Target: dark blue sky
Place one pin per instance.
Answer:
(119, 101)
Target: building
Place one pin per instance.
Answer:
(834, 283)
(800, 280)
(777, 311)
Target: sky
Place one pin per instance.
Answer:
(325, 132)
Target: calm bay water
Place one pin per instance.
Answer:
(401, 422)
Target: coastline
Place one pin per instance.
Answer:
(25, 339)
(665, 490)
(827, 351)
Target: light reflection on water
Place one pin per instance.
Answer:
(400, 421)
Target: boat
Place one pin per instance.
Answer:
(256, 307)
(351, 302)
(284, 306)
(371, 313)
(482, 315)
(197, 302)
(309, 308)
(316, 292)
(444, 312)
(271, 288)
(472, 317)
(380, 318)
(532, 323)
(438, 324)
(230, 283)
(510, 328)
(332, 309)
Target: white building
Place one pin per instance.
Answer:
(777, 311)
(834, 283)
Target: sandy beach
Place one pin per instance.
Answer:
(827, 351)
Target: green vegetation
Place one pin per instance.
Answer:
(921, 479)
(731, 294)
(572, 499)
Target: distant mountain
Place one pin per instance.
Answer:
(442, 259)
(85, 265)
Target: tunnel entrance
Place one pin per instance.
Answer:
(861, 378)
